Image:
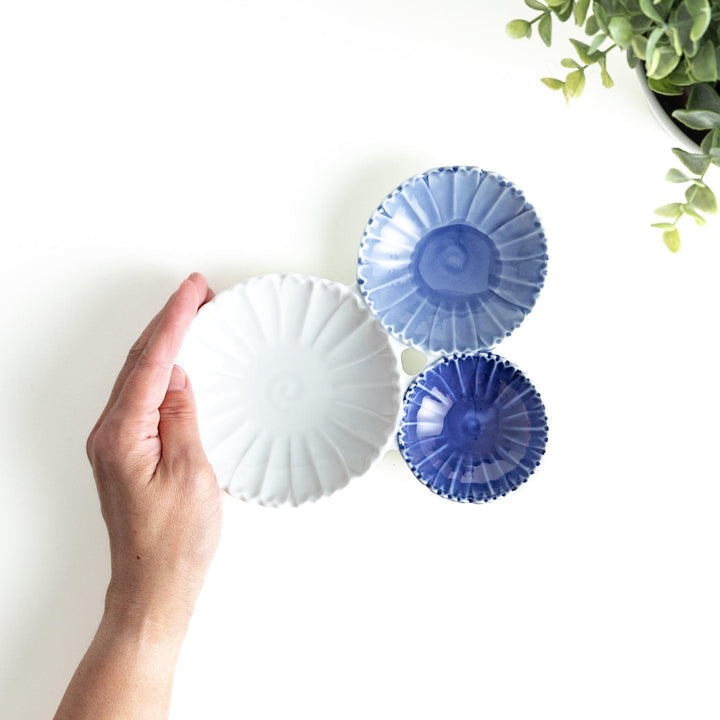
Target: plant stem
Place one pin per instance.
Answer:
(602, 52)
(701, 178)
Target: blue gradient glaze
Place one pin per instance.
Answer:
(452, 260)
(473, 427)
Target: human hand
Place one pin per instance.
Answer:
(163, 510)
(158, 493)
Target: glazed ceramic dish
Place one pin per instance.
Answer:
(297, 379)
(452, 260)
(473, 427)
(297, 387)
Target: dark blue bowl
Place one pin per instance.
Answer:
(453, 260)
(473, 427)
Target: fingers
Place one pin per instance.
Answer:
(130, 361)
(146, 382)
(178, 427)
(141, 343)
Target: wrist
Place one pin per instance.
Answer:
(152, 618)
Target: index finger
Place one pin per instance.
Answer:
(147, 383)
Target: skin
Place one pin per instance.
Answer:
(163, 511)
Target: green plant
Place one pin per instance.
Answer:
(679, 43)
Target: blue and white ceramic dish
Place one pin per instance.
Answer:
(453, 260)
(473, 427)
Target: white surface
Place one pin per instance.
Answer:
(297, 387)
(143, 140)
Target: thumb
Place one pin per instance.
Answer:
(178, 427)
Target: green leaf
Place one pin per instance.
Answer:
(553, 83)
(663, 86)
(651, 44)
(676, 176)
(649, 10)
(580, 11)
(672, 210)
(696, 164)
(545, 29)
(711, 141)
(662, 62)
(703, 97)
(556, 3)
(517, 29)
(632, 59)
(640, 24)
(591, 26)
(701, 14)
(597, 41)
(601, 16)
(570, 63)
(674, 35)
(698, 119)
(663, 225)
(607, 81)
(564, 11)
(696, 216)
(704, 65)
(535, 5)
(583, 52)
(639, 45)
(701, 198)
(620, 30)
(683, 21)
(671, 238)
(575, 83)
(680, 75)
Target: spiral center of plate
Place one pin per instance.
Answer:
(472, 427)
(284, 390)
(288, 390)
(455, 260)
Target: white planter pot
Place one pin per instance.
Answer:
(662, 117)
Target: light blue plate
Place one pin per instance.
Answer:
(453, 260)
(473, 427)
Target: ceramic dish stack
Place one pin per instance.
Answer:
(298, 380)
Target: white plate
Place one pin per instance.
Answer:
(297, 387)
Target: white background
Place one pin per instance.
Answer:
(142, 140)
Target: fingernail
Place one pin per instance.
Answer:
(178, 379)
